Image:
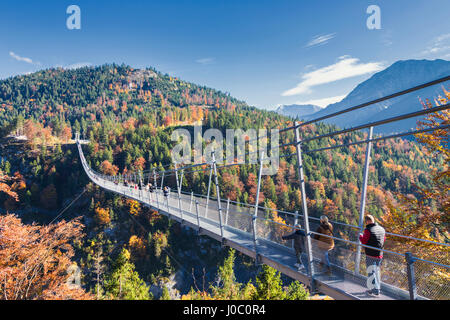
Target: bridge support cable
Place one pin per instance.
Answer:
(255, 214)
(68, 206)
(308, 245)
(155, 181)
(219, 204)
(296, 222)
(227, 211)
(179, 192)
(362, 207)
(197, 215)
(209, 191)
(162, 181)
(190, 202)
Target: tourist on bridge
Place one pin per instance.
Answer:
(299, 242)
(374, 236)
(324, 242)
(166, 191)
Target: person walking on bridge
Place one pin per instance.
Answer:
(374, 236)
(166, 191)
(324, 242)
(299, 243)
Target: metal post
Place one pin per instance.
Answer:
(219, 204)
(162, 181)
(156, 188)
(227, 212)
(190, 203)
(209, 190)
(255, 215)
(304, 206)
(363, 199)
(411, 275)
(181, 179)
(141, 183)
(179, 193)
(295, 223)
(198, 217)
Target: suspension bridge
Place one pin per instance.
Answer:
(249, 229)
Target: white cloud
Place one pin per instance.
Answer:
(440, 44)
(346, 67)
(322, 102)
(23, 59)
(320, 40)
(206, 61)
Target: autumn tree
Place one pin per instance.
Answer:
(137, 246)
(102, 216)
(34, 260)
(109, 169)
(426, 215)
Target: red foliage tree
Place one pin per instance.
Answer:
(34, 260)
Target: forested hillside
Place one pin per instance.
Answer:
(128, 116)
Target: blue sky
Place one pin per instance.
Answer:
(264, 52)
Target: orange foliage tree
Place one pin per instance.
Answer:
(134, 207)
(102, 215)
(137, 246)
(107, 168)
(34, 260)
(426, 216)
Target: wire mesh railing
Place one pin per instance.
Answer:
(399, 271)
(432, 279)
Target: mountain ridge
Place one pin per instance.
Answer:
(399, 76)
(297, 110)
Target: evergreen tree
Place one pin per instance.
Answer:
(269, 285)
(124, 283)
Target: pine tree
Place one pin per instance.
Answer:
(228, 288)
(269, 285)
(124, 283)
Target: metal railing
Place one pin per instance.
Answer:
(402, 273)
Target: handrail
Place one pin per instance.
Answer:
(109, 184)
(333, 237)
(313, 218)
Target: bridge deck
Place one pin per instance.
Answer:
(236, 233)
(341, 284)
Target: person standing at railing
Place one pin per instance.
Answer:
(374, 236)
(166, 191)
(325, 243)
(299, 243)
